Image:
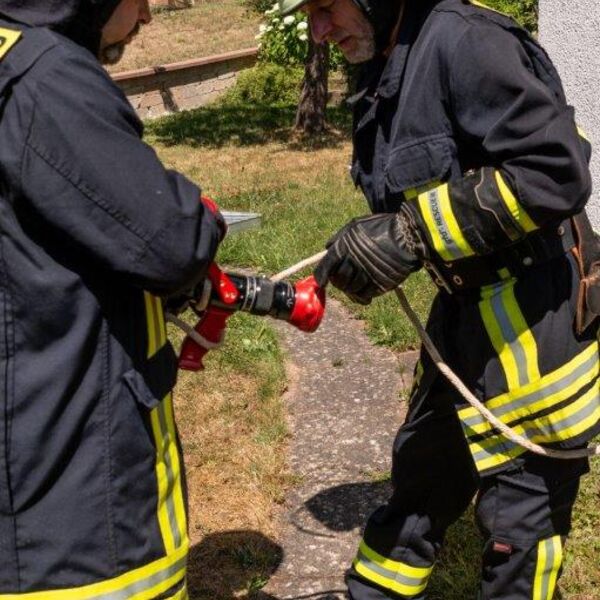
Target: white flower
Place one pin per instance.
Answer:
(303, 37)
(275, 7)
(289, 20)
(262, 28)
(302, 26)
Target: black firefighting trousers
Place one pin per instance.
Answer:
(515, 347)
(523, 514)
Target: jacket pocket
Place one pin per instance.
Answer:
(139, 389)
(419, 162)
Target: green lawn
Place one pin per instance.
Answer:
(210, 27)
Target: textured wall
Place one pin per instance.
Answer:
(157, 91)
(570, 32)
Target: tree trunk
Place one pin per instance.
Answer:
(310, 117)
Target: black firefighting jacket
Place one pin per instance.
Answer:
(93, 229)
(465, 128)
(468, 98)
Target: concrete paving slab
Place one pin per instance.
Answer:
(345, 404)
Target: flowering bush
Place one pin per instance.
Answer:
(284, 40)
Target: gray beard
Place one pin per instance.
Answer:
(364, 52)
(112, 54)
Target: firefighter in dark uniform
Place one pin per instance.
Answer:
(94, 232)
(473, 166)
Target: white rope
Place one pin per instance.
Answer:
(455, 380)
(307, 262)
(189, 330)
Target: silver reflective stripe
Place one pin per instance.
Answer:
(547, 567)
(510, 336)
(170, 475)
(442, 225)
(531, 430)
(145, 584)
(393, 575)
(535, 395)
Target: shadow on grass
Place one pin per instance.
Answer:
(231, 565)
(456, 575)
(221, 124)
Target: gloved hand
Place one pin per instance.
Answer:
(371, 256)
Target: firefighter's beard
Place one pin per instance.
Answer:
(361, 51)
(113, 53)
(358, 46)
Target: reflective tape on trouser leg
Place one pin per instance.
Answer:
(549, 561)
(399, 577)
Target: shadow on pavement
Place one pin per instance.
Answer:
(231, 565)
(346, 507)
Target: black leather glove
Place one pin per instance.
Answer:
(371, 256)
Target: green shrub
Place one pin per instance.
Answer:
(524, 11)
(258, 6)
(284, 40)
(267, 83)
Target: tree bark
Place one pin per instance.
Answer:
(311, 118)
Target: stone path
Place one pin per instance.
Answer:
(344, 408)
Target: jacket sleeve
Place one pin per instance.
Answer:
(533, 170)
(90, 182)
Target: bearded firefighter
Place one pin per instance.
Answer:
(474, 168)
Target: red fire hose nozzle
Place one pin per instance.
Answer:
(301, 304)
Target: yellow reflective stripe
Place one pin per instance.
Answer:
(8, 38)
(171, 508)
(394, 565)
(514, 207)
(155, 321)
(163, 480)
(493, 461)
(178, 499)
(510, 336)
(543, 402)
(546, 381)
(150, 324)
(412, 193)
(144, 583)
(446, 235)
(386, 582)
(162, 327)
(497, 450)
(549, 560)
(582, 134)
(394, 575)
(182, 594)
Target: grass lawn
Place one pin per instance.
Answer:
(231, 416)
(210, 27)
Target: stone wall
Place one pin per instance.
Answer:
(570, 31)
(161, 90)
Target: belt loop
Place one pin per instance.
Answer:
(438, 278)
